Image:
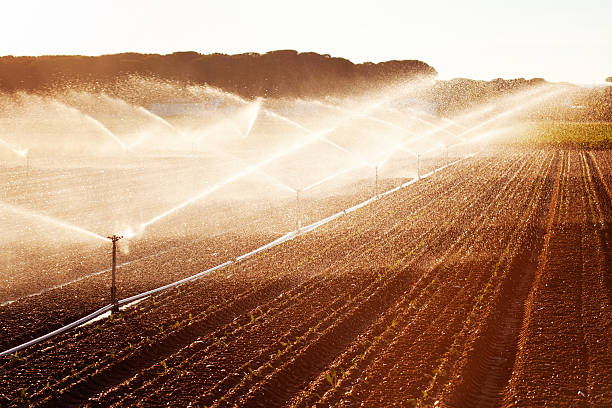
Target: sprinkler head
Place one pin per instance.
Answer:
(115, 238)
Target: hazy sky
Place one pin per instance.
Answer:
(558, 40)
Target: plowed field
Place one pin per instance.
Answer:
(487, 284)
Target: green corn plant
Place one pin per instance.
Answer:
(23, 395)
(332, 378)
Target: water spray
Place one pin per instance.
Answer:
(367, 117)
(258, 105)
(157, 118)
(114, 239)
(96, 122)
(237, 176)
(449, 122)
(534, 97)
(326, 179)
(255, 114)
(49, 220)
(22, 153)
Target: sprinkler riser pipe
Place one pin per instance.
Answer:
(114, 270)
(376, 182)
(114, 239)
(298, 211)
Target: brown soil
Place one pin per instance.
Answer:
(487, 284)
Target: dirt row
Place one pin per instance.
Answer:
(485, 285)
(226, 288)
(432, 337)
(320, 313)
(565, 352)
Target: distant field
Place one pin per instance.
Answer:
(567, 134)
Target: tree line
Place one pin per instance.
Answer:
(283, 73)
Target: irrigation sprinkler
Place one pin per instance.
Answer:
(114, 239)
(376, 181)
(298, 210)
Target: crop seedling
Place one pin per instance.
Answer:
(332, 378)
(15, 357)
(23, 395)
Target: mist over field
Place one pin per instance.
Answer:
(290, 229)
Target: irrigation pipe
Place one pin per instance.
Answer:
(287, 237)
